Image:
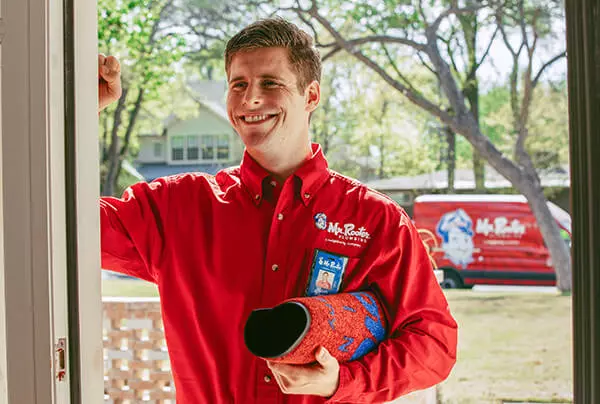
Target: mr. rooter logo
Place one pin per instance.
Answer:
(500, 226)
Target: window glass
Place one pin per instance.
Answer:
(208, 147)
(193, 149)
(223, 147)
(177, 148)
(158, 149)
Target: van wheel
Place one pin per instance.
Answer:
(452, 280)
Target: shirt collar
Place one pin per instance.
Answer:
(313, 173)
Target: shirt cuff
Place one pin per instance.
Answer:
(344, 391)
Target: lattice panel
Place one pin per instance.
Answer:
(136, 362)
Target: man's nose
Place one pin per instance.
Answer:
(253, 96)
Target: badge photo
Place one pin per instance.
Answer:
(326, 273)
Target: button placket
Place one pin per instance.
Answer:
(277, 250)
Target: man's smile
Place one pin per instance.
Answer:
(257, 119)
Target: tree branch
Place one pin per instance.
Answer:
(546, 65)
(427, 65)
(348, 47)
(487, 50)
(395, 67)
(452, 11)
(500, 26)
(378, 39)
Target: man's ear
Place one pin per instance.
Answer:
(313, 96)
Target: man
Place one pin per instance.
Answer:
(249, 237)
(323, 282)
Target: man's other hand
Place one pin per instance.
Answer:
(320, 379)
(109, 81)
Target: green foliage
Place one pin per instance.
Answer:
(548, 140)
(368, 131)
(135, 31)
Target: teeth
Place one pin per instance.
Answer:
(255, 118)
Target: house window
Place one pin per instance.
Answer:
(208, 147)
(193, 148)
(223, 147)
(158, 149)
(177, 148)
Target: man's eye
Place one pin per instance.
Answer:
(269, 83)
(238, 85)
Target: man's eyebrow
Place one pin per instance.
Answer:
(264, 76)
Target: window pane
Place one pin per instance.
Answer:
(223, 148)
(177, 148)
(158, 149)
(208, 147)
(192, 148)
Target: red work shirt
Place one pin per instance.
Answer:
(221, 246)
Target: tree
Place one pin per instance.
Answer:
(412, 29)
(359, 120)
(136, 31)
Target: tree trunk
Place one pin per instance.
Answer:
(451, 158)
(527, 182)
(559, 251)
(108, 188)
(133, 114)
(384, 109)
(478, 171)
(471, 92)
(381, 156)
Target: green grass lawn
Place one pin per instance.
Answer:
(128, 288)
(512, 346)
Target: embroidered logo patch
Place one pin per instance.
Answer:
(342, 233)
(321, 221)
(326, 273)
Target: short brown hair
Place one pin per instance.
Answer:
(278, 32)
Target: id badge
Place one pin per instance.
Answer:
(326, 273)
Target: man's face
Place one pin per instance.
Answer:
(264, 104)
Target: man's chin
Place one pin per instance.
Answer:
(253, 138)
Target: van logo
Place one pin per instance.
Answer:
(500, 227)
(456, 230)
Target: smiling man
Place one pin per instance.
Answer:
(254, 235)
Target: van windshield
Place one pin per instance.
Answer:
(561, 216)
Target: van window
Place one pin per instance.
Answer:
(561, 216)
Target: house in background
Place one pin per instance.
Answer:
(404, 189)
(205, 142)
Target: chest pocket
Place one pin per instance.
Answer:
(327, 271)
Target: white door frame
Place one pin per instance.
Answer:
(39, 253)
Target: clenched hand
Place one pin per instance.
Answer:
(109, 81)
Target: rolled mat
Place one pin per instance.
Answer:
(348, 325)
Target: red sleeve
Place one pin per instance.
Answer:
(132, 229)
(420, 349)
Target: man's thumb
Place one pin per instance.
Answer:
(324, 357)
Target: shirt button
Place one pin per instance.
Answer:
(257, 197)
(307, 195)
(275, 267)
(280, 216)
(273, 183)
(267, 379)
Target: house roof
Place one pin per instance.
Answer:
(211, 95)
(464, 179)
(153, 171)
